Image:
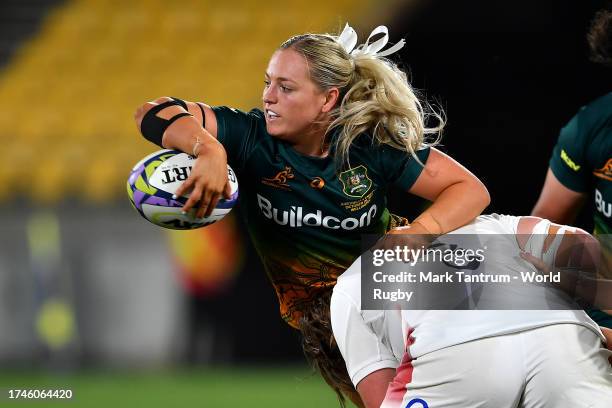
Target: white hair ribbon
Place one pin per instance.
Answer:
(348, 39)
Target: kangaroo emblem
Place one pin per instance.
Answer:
(280, 179)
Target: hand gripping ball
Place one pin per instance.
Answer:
(154, 180)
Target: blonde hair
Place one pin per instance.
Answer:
(375, 96)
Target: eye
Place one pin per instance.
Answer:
(285, 89)
(267, 83)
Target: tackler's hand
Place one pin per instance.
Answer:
(539, 264)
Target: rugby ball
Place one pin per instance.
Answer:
(155, 179)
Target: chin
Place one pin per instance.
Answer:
(274, 131)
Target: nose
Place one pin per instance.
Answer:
(269, 94)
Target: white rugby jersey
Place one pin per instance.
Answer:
(371, 340)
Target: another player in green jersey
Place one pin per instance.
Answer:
(339, 126)
(581, 164)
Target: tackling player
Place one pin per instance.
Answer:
(469, 358)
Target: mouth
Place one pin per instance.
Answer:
(271, 115)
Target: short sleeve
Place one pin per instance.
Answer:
(400, 168)
(363, 352)
(568, 162)
(238, 132)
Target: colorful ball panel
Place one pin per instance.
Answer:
(155, 179)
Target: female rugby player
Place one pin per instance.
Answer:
(339, 125)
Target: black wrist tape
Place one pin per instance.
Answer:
(203, 114)
(180, 102)
(153, 127)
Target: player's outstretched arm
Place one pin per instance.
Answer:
(176, 124)
(558, 203)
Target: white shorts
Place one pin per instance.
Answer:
(557, 366)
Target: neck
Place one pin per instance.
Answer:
(312, 143)
(317, 151)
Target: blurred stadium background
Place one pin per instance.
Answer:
(94, 299)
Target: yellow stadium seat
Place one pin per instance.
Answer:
(74, 87)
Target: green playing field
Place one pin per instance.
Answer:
(215, 388)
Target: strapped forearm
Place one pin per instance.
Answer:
(154, 126)
(174, 124)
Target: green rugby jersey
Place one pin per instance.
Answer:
(582, 158)
(582, 161)
(304, 214)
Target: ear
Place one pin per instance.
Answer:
(331, 98)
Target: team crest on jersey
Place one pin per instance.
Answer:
(355, 181)
(280, 180)
(605, 172)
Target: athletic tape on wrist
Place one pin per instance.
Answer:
(153, 127)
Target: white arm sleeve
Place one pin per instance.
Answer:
(362, 349)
